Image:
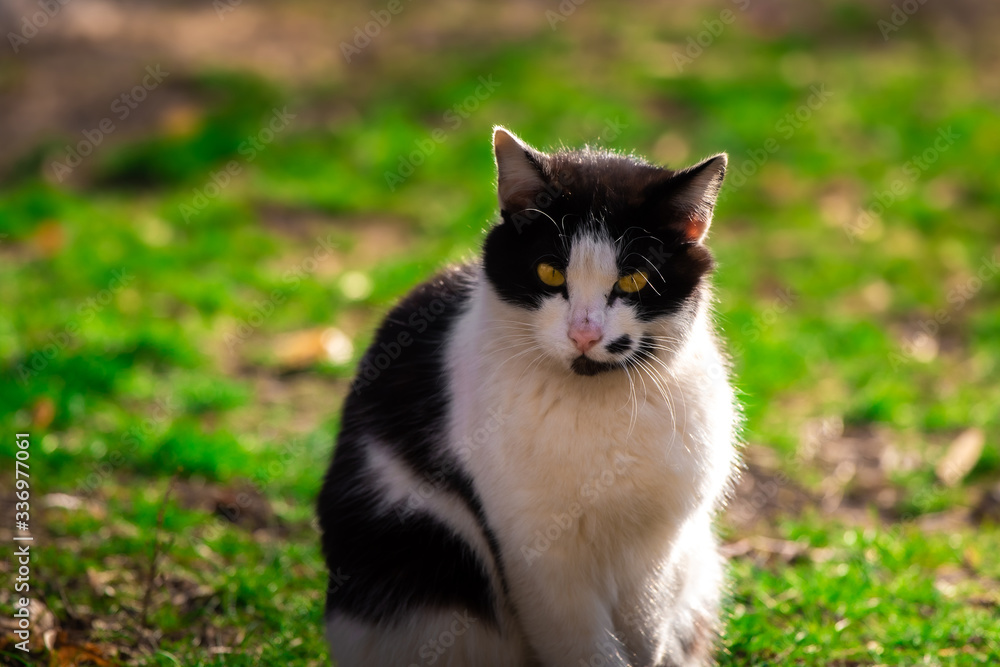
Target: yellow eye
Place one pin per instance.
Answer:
(550, 275)
(633, 282)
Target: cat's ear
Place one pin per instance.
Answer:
(519, 171)
(690, 195)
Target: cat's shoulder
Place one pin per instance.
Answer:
(440, 293)
(412, 334)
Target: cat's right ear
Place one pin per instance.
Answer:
(686, 200)
(519, 172)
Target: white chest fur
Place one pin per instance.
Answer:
(587, 463)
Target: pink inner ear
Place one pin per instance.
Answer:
(694, 229)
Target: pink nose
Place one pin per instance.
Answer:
(585, 336)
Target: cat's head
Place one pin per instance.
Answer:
(602, 255)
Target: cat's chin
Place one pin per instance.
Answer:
(586, 366)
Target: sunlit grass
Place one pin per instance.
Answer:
(142, 314)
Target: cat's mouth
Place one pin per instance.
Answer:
(584, 365)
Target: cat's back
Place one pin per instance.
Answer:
(399, 396)
(388, 446)
(400, 384)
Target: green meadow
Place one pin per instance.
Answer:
(182, 308)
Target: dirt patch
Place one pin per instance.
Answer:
(373, 238)
(846, 474)
(66, 78)
(240, 504)
(761, 496)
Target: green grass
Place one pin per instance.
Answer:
(152, 332)
(874, 601)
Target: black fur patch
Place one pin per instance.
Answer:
(586, 366)
(619, 345)
(392, 563)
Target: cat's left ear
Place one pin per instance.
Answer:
(690, 195)
(520, 171)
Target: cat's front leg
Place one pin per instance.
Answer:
(567, 620)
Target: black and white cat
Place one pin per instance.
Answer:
(535, 445)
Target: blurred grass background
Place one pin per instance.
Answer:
(181, 308)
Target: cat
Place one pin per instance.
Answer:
(535, 444)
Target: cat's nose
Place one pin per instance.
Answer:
(585, 335)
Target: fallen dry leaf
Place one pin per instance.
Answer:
(49, 237)
(71, 655)
(62, 501)
(961, 457)
(301, 349)
(42, 413)
(181, 120)
(100, 582)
